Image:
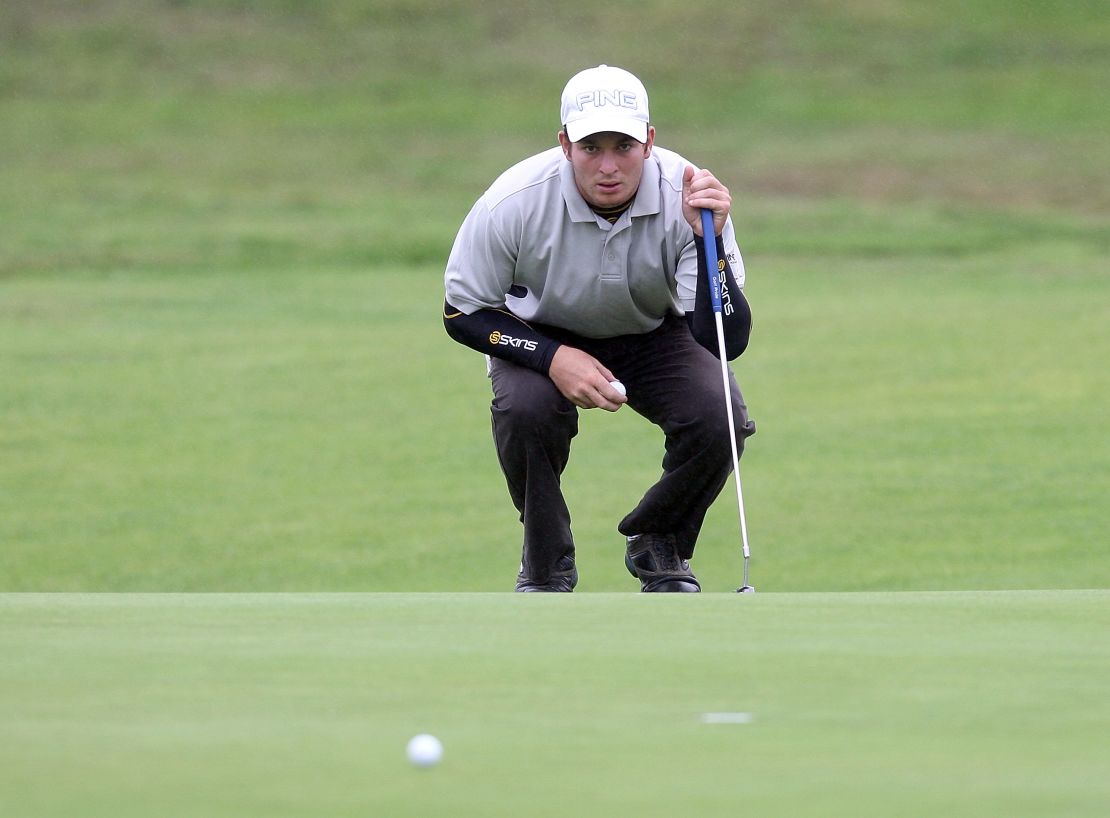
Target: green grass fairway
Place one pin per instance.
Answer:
(867, 704)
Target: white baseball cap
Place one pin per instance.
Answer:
(605, 99)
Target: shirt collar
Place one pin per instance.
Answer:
(648, 200)
(576, 206)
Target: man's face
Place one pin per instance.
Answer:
(607, 166)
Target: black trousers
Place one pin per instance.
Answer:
(672, 381)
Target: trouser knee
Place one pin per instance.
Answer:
(707, 433)
(528, 411)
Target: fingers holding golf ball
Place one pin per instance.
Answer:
(609, 395)
(614, 396)
(584, 380)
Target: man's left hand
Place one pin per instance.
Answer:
(701, 189)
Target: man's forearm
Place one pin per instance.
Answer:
(501, 334)
(736, 315)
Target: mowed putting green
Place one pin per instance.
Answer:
(862, 704)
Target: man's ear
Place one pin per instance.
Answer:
(565, 143)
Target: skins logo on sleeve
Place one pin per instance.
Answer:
(498, 338)
(726, 297)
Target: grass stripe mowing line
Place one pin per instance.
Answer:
(863, 704)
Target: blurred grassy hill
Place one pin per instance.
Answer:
(196, 133)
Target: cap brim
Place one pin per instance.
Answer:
(636, 128)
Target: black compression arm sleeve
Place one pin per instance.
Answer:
(736, 315)
(501, 334)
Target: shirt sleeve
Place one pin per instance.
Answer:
(481, 265)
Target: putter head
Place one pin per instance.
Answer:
(746, 589)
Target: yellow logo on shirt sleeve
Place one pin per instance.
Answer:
(499, 339)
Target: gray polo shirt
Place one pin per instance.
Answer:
(532, 244)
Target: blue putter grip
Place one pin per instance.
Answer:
(709, 236)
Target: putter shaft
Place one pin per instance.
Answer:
(708, 237)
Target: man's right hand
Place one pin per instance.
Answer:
(584, 380)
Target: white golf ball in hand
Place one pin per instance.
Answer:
(618, 386)
(424, 750)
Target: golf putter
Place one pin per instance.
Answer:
(709, 237)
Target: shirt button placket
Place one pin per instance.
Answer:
(614, 254)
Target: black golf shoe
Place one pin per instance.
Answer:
(653, 559)
(562, 579)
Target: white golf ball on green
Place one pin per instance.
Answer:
(424, 750)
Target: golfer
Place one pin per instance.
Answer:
(581, 268)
